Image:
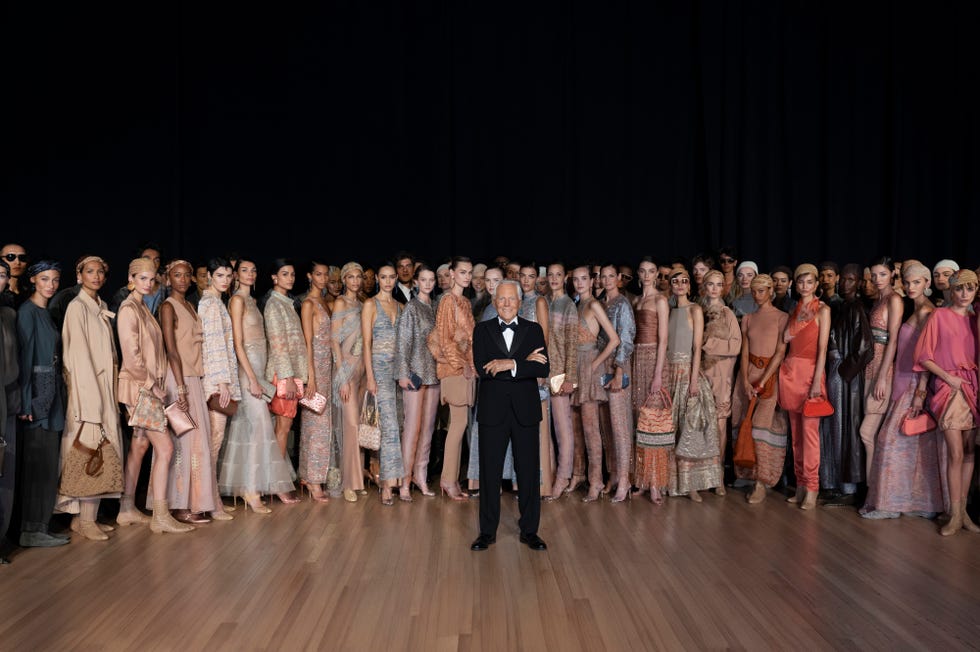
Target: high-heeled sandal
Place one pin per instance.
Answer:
(314, 490)
(574, 483)
(593, 495)
(388, 500)
(405, 493)
(254, 501)
(558, 490)
(695, 497)
(622, 496)
(350, 495)
(454, 492)
(423, 488)
(288, 498)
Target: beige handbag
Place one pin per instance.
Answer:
(91, 472)
(180, 421)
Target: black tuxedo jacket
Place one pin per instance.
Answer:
(504, 392)
(399, 295)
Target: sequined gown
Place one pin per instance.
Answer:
(698, 465)
(349, 368)
(318, 453)
(383, 366)
(251, 461)
(589, 393)
(906, 472)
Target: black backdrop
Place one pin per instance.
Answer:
(791, 130)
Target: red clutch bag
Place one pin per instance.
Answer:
(817, 407)
(919, 425)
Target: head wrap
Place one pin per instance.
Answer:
(479, 269)
(180, 261)
(42, 266)
(761, 281)
(805, 268)
(679, 271)
(947, 263)
(350, 267)
(963, 277)
(90, 259)
(138, 265)
(747, 264)
(916, 270)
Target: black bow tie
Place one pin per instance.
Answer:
(512, 326)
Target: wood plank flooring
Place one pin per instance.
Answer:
(720, 575)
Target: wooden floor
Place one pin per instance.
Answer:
(721, 575)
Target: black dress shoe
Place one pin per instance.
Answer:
(840, 500)
(483, 542)
(533, 542)
(40, 540)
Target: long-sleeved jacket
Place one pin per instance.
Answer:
(563, 338)
(220, 363)
(144, 356)
(620, 313)
(454, 323)
(287, 348)
(412, 355)
(41, 383)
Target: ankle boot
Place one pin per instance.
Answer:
(164, 522)
(87, 526)
(955, 520)
(758, 494)
(128, 513)
(810, 501)
(75, 527)
(968, 523)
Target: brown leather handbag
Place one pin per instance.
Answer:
(91, 472)
(214, 404)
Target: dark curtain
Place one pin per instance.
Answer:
(794, 131)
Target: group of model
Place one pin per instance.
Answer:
(703, 351)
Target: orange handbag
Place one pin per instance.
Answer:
(817, 407)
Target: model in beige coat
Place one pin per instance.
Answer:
(89, 356)
(144, 367)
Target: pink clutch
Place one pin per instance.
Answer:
(919, 425)
(317, 404)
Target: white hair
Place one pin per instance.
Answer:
(509, 281)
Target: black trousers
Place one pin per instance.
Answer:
(527, 464)
(40, 459)
(9, 475)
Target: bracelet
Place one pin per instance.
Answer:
(920, 393)
(181, 389)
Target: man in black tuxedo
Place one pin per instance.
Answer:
(405, 268)
(509, 355)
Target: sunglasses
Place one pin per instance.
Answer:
(12, 257)
(727, 260)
